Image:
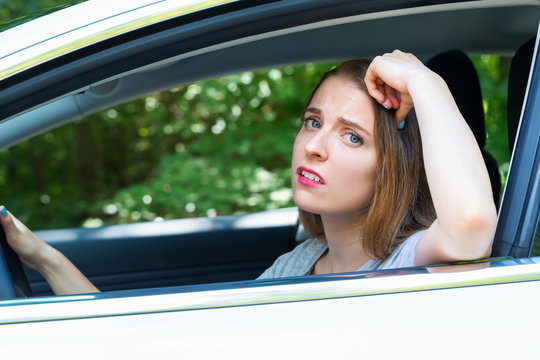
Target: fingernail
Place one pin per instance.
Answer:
(401, 125)
(386, 107)
(3, 211)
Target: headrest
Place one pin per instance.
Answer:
(517, 84)
(458, 72)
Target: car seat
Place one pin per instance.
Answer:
(458, 72)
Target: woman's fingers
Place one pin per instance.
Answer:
(6, 219)
(14, 236)
(377, 95)
(393, 96)
(23, 241)
(386, 81)
(374, 83)
(384, 95)
(402, 112)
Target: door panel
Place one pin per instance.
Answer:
(176, 252)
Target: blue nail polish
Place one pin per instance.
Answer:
(401, 125)
(3, 211)
(386, 107)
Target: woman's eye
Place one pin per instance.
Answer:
(354, 138)
(312, 123)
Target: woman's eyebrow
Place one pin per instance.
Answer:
(314, 110)
(352, 124)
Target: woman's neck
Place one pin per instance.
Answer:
(345, 251)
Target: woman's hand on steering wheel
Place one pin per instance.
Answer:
(30, 248)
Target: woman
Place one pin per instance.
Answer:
(359, 181)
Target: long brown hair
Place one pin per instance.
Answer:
(401, 203)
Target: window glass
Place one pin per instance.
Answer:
(493, 75)
(216, 147)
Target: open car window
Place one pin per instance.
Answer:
(211, 148)
(198, 159)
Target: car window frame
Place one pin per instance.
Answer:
(520, 205)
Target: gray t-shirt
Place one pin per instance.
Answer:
(301, 260)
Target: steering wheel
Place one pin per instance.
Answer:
(13, 281)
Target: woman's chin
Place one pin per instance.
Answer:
(308, 206)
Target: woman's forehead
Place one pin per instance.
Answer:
(340, 85)
(341, 97)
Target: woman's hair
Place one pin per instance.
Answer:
(401, 203)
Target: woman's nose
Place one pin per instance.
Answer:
(316, 146)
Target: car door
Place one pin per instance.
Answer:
(174, 252)
(112, 70)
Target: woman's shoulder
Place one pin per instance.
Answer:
(299, 261)
(403, 255)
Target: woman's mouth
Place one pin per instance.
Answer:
(309, 177)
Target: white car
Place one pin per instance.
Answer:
(183, 288)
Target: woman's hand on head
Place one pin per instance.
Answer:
(31, 249)
(387, 80)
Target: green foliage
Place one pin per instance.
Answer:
(215, 147)
(493, 73)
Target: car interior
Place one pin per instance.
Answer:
(232, 248)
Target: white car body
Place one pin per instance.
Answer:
(475, 310)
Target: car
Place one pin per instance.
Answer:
(185, 287)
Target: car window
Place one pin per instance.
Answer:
(493, 75)
(216, 147)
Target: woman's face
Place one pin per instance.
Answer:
(334, 157)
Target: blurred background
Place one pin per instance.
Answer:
(216, 147)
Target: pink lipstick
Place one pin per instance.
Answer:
(309, 177)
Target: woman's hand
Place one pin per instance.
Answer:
(32, 251)
(62, 276)
(387, 80)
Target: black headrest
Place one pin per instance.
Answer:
(458, 72)
(517, 84)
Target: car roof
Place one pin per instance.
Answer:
(170, 44)
(76, 27)
(87, 23)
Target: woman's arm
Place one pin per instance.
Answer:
(62, 276)
(455, 170)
